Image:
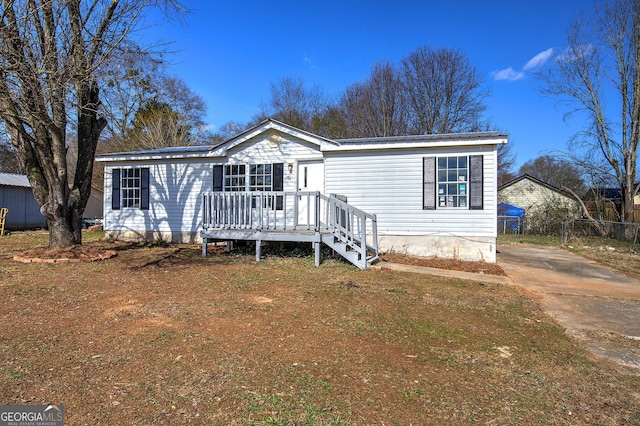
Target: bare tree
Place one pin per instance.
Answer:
(600, 65)
(376, 108)
(506, 161)
(168, 113)
(9, 162)
(157, 125)
(227, 131)
(555, 171)
(129, 82)
(293, 103)
(52, 56)
(330, 123)
(444, 90)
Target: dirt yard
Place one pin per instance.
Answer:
(160, 335)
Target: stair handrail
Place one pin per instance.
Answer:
(279, 209)
(349, 225)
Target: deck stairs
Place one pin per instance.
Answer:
(291, 216)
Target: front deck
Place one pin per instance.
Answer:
(291, 217)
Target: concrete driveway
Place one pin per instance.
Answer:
(593, 303)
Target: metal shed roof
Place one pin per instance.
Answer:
(10, 179)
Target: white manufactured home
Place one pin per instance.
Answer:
(427, 195)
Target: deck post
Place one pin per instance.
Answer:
(317, 212)
(316, 247)
(258, 250)
(204, 246)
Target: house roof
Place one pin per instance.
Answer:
(11, 179)
(606, 193)
(271, 125)
(535, 180)
(218, 150)
(324, 144)
(423, 138)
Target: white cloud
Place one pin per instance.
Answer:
(573, 53)
(508, 74)
(539, 59)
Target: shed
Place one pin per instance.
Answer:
(16, 195)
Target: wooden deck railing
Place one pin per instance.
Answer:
(292, 211)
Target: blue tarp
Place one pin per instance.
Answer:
(514, 212)
(505, 209)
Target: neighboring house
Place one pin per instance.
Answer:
(538, 199)
(94, 207)
(429, 195)
(16, 195)
(609, 194)
(606, 203)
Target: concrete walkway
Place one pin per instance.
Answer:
(485, 278)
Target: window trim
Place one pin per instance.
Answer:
(452, 193)
(475, 183)
(276, 178)
(117, 188)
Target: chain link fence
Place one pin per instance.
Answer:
(565, 231)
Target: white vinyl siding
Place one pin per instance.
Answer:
(176, 186)
(289, 151)
(396, 195)
(175, 198)
(384, 178)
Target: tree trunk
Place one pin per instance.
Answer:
(65, 231)
(628, 208)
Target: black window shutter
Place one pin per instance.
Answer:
(278, 183)
(144, 188)
(429, 183)
(217, 178)
(115, 189)
(476, 177)
(278, 177)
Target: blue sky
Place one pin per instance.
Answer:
(229, 52)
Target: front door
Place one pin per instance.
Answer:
(310, 178)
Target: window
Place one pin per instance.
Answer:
(130, 188)
(234, 177)
(453, 182)
(260, 177)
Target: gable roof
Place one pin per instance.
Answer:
(535, 180)
(271, 125)
(219, 150)
(11, 179)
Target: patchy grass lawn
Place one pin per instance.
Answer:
(160, 335)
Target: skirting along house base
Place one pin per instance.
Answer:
(425, 195)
